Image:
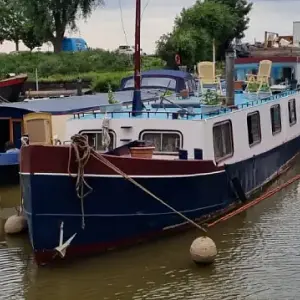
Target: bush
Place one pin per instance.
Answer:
(67, 66)
(102, 81)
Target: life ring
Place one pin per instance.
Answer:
(177, 59)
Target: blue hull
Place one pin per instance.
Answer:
(253, 173)
(117, 212)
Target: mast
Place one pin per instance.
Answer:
(137, 105)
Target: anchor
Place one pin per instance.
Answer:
(62, 247)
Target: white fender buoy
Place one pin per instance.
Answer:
(203, 250)
(15, 224)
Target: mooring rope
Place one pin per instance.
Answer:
(83, 152)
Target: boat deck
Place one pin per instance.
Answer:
(195, 113)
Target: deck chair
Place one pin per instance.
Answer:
(207, 76)
(260, 83)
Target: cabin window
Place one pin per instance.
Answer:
(164, 82)
(223, 140)
(254, 132)
(158, 82)
(129, 83)
(95, 140)
(292, 112)
(164, 141)
(276, 119)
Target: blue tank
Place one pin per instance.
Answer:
(74, 44)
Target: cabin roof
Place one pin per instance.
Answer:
(66, 105)
(164, 72)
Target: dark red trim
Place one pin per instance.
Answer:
(13, 81)
(274, 59)
(54, 159)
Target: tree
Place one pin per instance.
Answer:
(30, 37)
(190, 44)
(195, 29)
(12, 21)
(166, 49)
(241, 8)
(53, 17)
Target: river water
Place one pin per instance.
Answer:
(259, 258)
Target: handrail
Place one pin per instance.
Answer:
(187, 114)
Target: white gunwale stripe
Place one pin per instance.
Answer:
(119, 176)
(136, 214)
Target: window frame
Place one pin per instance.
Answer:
(161, 132)
(278, 131)
(293, 101)
(260, 137)
(231, 140)
(95, 131)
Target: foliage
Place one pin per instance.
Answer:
(241, 9)
(68, 65)
(192, 45)
(30, 37)
(102, 81)
(197, 27)
(216, 19)
(168, 93)
(110, 95)
(52, 18)
(99, 82)
(15, 25)
(211, 98)
(254, 86)
(12, 21)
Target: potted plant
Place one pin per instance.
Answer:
(254, 86)
(111, 96)
(253, 89)
(211, 102)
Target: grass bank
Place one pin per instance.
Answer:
(97, 66)
(98, 81)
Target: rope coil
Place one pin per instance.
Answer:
(82, 150)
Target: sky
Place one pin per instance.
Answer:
(104, 28)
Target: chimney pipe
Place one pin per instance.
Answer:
(230, 77)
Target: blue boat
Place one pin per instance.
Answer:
(200, 164)
(173, 80)
(113, 184)
(9, 168)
